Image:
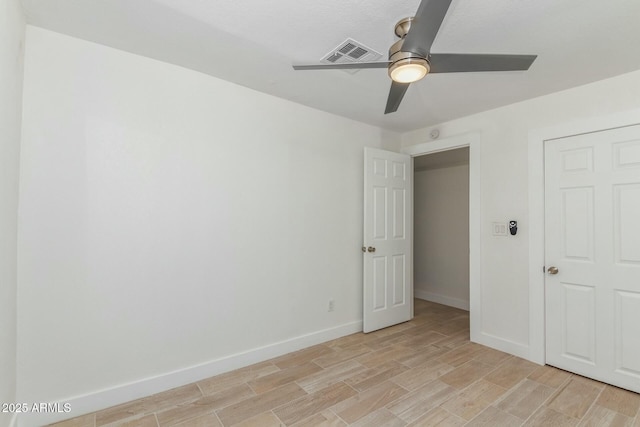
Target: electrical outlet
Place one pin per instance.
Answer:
(331, 305)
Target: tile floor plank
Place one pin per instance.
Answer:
(209, 420)
(386, 355)
(283, 376)
(205, 405)
(314, 403)
(266, 419)
(256, 405)
(575, 397)
(301, 357)
(511, 372)
(438, 417)
(619, 400)
(359, 406)
(88, 420)
(324, 419)
(330, 376)
(342, 355)
(369, 378)
(491, 357)
(546, 416)
(148, 405)
(415, 378)
(425, 356)
(461, 355)
(493, 417)
(601, 416)
(524, 399)
(416, 403)
(465, 375)
(549, 376)
(474, 399)
(146, 421)
(237, 377)
(380, 418)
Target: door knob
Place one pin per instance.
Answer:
(553, 270)
(371, 249)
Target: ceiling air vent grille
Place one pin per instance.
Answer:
(357, 52)
(350, 51)
(348, 47)
(333, 58)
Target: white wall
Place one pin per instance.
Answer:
(441, 235)
(169, 219)
(504, 187)
(11, 62)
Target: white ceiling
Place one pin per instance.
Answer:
(253, 43)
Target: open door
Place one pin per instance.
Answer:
(387, 249)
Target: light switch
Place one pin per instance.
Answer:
(500, 229)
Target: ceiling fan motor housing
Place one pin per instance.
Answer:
(399, 58)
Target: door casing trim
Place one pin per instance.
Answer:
(473, 141)
(537, 138)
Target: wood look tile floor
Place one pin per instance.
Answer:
(421, 373)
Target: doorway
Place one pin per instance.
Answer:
(471, 141)
(441, 227)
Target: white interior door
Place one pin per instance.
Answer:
(388, 293)
(592, 236)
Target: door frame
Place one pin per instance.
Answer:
(537, 138)
(473, 141)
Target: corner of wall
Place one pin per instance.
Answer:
(12, 36)
(391, 141)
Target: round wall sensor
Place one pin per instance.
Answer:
(435, 133)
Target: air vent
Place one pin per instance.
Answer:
(357, 52)
(351, 51)
(347, 48)
(333, 58)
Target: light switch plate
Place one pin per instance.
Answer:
(499, 229)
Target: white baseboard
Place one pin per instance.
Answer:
(441, 299)
(102, 399)
(507, 346)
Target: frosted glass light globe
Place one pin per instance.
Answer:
(409, 70)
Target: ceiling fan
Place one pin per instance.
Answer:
(410, 58)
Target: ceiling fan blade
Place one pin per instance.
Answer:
(462, 63)
(343, 66)
(425, 26)
(395, 96)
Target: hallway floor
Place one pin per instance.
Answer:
(421, 373)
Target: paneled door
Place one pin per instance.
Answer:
(387, 249)
(592, 255)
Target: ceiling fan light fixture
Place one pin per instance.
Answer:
(409, 70)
